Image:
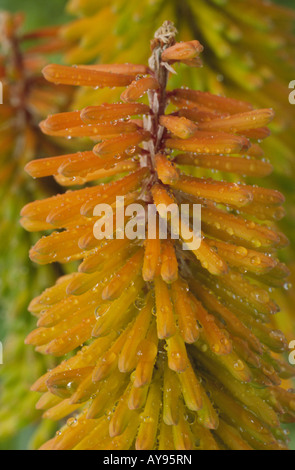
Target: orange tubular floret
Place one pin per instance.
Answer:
(151, 262)
(123, 277)
(61, 121)
(182, 51)
(121, 416)
(95, 260)
(266, 196)
(258, 133)
(182, 436)
(211, 143)
(233, 323)
(39, 209)
(240, 166)
(176, 352)
(84, 282)
(100, 174)
(49, 166)
(147, 353)
(240, 122)
(110, 317)
(111, 112)
(161, 196)
(62, 209)
(83, 163)
(80, 76)
(187, 321)
(169, 264)
(165, 318)
(59, 246)
(137, 397)
(104, 130)
(128, 355)
(123, 69)
(148, 428)
(210, 260)
(241, 257)
(199, 114)
(109, 360)
(60, 411)
(171, 397)
(219, 191)
(227, 227)
(217, 338)
(138, 88)
(152, 252)
(166, 170)
(120, 144)
(213, 102)
(125, 187)
(71, 339)
(51, 295)
(179, 126)
(191, 389)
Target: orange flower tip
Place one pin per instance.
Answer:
(166, 170)
(30, 168)
(27, 210)
(177, 356)
(61, 121)
(169, 275)
(179, 126)
(276, 197)
(43, 167)
(43, 127)
(138, 88)
(39, 386)
(31, 338)
(182, 51)
(33, 226)
(148, 274)
(37, 257)
(79, 76)
(34, 306)
(283, 241)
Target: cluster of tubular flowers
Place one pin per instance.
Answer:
(162, 348)
(27, 98)
(250, 49)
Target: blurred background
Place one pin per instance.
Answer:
(38, 14)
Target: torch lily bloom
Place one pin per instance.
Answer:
(162, 348)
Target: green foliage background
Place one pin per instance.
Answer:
(39, 13)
